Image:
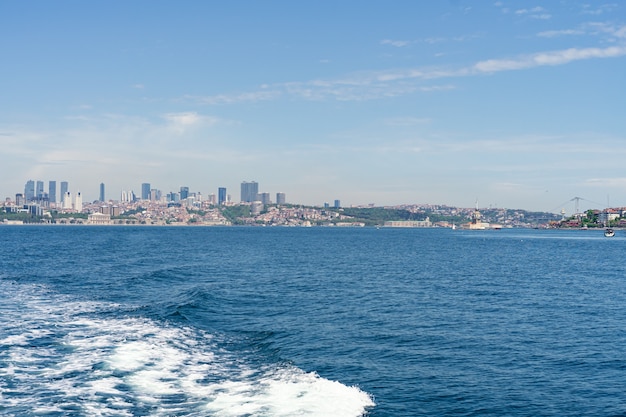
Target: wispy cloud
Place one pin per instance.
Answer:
(261, 95)
(535, 13)
(558, 33)
(593, 9)
(396, 43)
(548, 58)
(369, 85)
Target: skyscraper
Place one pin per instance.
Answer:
(102, 192)
(52, 191)
(249, 191)
(184, 192)
(221, 195)
(78, 203)
(64, 190)
(29, 190)
(264, 198)
(145, 191)
(67, 200)
(39, 191)
(280, 198)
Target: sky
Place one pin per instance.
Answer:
(512, 104)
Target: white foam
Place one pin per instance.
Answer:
(63, 351)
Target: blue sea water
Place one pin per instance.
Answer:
(167, 321)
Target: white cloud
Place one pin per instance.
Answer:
(395, 43)
(557, 33)
(180, 122)
(548, 58)
(535, 13)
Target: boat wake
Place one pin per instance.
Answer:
(60, 356)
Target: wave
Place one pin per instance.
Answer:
(64, 356)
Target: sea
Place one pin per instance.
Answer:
(320, 321)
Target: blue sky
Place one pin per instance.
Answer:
(514, 104)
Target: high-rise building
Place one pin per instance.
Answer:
(102, 192)
(145, 191)
(221, 195)
(67, 199)
(264, 198)
(64, 190)
(249, 191)
(29, 190)
(78, 202)
(184, 192)
(280, 198)
(39, 191)
(52, 191)
(337, 204)
(155, 195)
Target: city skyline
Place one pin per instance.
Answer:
(509, 103)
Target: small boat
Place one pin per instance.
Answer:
(608, 232)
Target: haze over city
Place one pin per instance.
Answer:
(513, 104)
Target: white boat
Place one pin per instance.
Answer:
(608, 232)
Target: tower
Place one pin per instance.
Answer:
(67, 200)
(280, 198)
(102, 192)
(39, 191)
(29, 190)
(64, 190)
(145, 191)
(52, 191)
(184, 192)
(78, 202)
(249, 191)
(221, 195)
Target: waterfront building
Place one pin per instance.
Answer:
(29, 190)
(145, 191)
(409, 223)
(280, 198)
(64, 190)
(99, 218)
(221, 193)
(249, 191)
(102, 192)
(52, 191)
